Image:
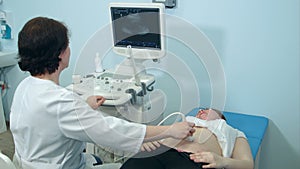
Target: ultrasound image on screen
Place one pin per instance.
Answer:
(138, 27)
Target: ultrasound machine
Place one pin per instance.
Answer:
(138, 34)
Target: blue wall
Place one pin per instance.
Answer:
(257, 41)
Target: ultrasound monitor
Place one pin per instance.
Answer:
(140, 26)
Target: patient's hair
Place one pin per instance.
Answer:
(220, 113)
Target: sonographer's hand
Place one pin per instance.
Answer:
(181, 130)
(95, 101)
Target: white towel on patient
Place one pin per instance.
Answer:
(225, 134)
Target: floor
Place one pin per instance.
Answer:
(7, 146)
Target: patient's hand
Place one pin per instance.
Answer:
(150, 146)
(95, 101)
(212, 159)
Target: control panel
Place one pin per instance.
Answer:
(117, 89)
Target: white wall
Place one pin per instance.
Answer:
(258, 43)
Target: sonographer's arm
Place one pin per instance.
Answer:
(178, 130)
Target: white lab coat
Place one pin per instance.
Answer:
(50, 126)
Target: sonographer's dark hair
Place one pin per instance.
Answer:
(40, 42)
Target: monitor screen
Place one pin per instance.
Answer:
(140, 26)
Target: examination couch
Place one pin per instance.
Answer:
(253, 126)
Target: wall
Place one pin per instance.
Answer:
(257, 41)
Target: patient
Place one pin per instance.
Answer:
(215, 144)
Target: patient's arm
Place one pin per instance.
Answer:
(150, 146)
(153, 145)
(241, 158)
